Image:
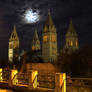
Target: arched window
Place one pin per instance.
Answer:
(71, 43)
(76, 44)
(53, 38)
(45, 38)
(33, 47)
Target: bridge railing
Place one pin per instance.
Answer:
(4, 76)
(46, 81)
(79, 84)
(20, 79)
(23, 78)
(35, 82)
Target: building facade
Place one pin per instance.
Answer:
(13, 51)
(48, 51)
(49, 41)
(35, 42)
(71, 39)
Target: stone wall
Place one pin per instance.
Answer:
(46, 73)
(46, 68)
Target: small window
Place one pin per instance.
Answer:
(53, 38)
(45, 38)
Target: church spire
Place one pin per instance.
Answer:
(35, 41)
(13, 46)
(14, 28)
(49, 41)
(48, 11)
(49, 20)
(71, 29)
(35, 35)
(14, 35)
(71, 38)
(49, 25)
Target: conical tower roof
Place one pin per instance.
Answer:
(49, 20)
(14, 35)
(71, 29)
(35, 37)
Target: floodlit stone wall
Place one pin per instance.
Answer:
(46, 73)
(42, 68)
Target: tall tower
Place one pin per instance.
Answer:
(49, 40)
(71, 38)
(13, 46)
(35, 42)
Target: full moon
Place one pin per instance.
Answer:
(31, 16)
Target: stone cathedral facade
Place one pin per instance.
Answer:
(35, 42)
(49, 41)
(13, 51)
(49, 49)
(71, 39)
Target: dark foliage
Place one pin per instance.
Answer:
(78, 64)
(32, 57)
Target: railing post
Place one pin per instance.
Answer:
(60, 82)
(12, 80)
(30, 86)
(33, 79)
(1, 76)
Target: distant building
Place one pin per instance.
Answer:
(35, 42)
(13, 51)
(49, 41)
(71, 39)
(48, 52)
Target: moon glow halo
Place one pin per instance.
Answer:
(31, 16)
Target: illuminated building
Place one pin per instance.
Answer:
(48, 51)
(35, 42)
(71, 39)
(13, 52)
(49, 41)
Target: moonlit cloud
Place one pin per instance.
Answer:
(31, 16)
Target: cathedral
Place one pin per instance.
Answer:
(49, 41)
(49, 49)
(71, 39)
(35, 42)
(13, 51)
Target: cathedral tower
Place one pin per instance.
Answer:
(71, 38)
(13, 46)
(49, 40)
(35, 42)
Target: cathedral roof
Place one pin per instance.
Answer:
(49, 25)
(35, 37)
(14, 35)
(49, 20)
(71, 29)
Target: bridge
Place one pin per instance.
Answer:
(32, 81)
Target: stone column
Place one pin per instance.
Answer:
(60, 82)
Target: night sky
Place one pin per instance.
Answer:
(11, 12)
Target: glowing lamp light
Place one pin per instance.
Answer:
(31, 17)
(1, 78)
(14, 76)
(4, 90)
